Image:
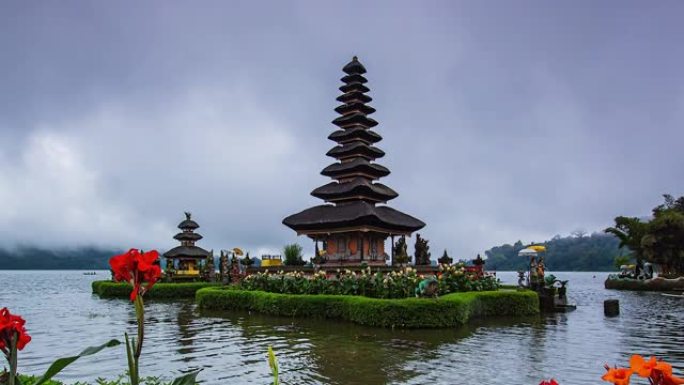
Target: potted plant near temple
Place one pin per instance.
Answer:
(550, 285)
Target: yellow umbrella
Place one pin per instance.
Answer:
(537, 248)
(237, 251)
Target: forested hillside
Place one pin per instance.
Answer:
(26, 257)
(580, 252)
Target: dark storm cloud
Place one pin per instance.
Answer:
(502, 121)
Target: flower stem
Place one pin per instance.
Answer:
(13, 359)
(134, 348)
(140, 315)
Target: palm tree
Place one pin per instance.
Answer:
(630, 231)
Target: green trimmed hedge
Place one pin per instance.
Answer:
(446, 311)
(109, 289)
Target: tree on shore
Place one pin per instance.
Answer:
(630, 231)
(659, 240)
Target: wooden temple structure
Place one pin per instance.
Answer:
(355, 222)
(185, 261)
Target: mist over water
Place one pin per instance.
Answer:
(63, 317)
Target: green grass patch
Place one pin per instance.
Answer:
(446, 311)
(109, 289)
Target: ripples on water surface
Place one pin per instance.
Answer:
(63, 317)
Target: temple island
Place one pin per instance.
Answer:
(350, 230)
(354, 223)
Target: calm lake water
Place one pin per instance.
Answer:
(63, 317)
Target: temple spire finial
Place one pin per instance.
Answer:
(354, 67)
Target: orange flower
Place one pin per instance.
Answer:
(663, 378)
(618, 376)
(645, 368)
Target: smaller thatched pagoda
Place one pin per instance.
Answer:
(185, 261)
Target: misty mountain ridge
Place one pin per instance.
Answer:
(579, 252)
(26, 257)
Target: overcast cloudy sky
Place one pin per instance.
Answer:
(501, 120)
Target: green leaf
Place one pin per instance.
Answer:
(132, 371)
(187, 379)
(273, 363)
(62, 363)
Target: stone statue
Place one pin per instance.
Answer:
(235, 273)
(169, 270)
(223, 267)
(521, 279)
(562, 290)
(422, 253)
(401, 256)
(445, 259)
(540, 270)
(428, 287)
(478, 261)
(210, 270)
(533, 273)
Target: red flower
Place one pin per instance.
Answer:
(137, 268)
(9, 326)
(549, 382)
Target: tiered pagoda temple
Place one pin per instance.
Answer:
(186, 260)
(355, 222)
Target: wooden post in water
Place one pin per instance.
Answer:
(611, 307)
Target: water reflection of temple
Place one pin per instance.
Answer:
(338, 352)
(187, 331)
(355, 222)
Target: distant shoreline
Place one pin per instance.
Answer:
(500, 271)
(56, 269)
